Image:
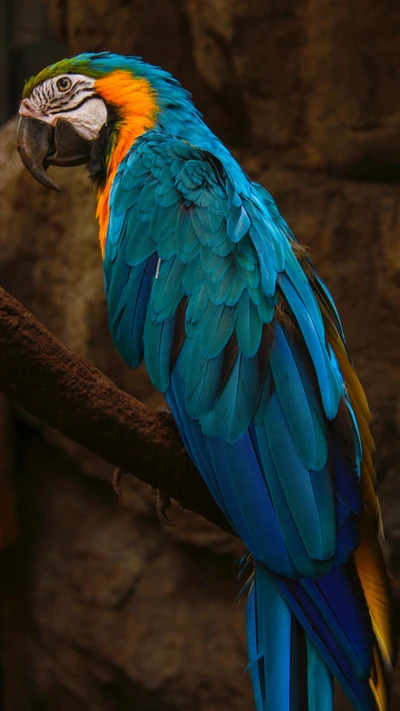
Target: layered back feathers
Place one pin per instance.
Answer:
(205, 280)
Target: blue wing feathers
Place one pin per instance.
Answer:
(302, 561)
(268, 271)
(213, 265)
(299, 280)
(237, 288)
(326, 642)
(249, 325)
(319, 681)
(331, 389)
(158, 342)
(286, 668)
(318, 531)
(238, 223)
(128, 316)
(216, 334)
(256, 392)
(199, 311)
(305, 423)
(199, 399)
(269, 627)
(167, 291)
(224, 246)
(236, 406)
(186, 238)
(229, 289)
(351, 624)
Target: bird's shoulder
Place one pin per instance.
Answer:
(166, 173)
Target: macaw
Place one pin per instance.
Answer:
(206, 282)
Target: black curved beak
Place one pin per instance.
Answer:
(41, 145)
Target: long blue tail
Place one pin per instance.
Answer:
(287, 671)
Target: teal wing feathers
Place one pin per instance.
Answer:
(217, 246)
(203, 282)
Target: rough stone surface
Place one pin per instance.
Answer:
(318, 82)
(120, 614)
(104, 609)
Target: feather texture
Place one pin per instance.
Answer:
(201, 277)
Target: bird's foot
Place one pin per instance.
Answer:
(166, 413)
(116, 479)
(163, 502)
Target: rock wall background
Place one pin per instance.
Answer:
(102, 608)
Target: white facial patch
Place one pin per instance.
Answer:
(88, 119)
(77, 104)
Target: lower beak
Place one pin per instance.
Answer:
(41, 145)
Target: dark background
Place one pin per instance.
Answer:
(102, 608)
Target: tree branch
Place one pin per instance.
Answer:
(62, 390)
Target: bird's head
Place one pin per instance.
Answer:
(88, 109)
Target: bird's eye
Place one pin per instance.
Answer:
(64, 83)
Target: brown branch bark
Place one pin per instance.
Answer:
(52, 383)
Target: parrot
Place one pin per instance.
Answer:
(207, 284)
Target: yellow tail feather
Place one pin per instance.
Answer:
(368, 556)
(378, 683)
(375, 582)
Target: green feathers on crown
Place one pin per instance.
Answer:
(65, 66)
(82, 64)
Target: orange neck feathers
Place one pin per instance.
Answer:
(136, 104)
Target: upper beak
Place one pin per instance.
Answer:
(41, 145)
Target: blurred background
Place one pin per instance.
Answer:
(102, 608)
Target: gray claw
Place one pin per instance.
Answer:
(163, 502)
(116, 480)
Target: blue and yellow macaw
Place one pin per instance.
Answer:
(206, 282)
